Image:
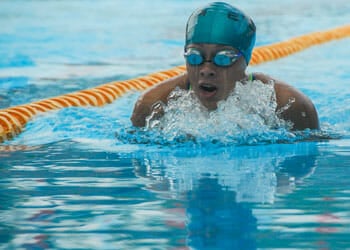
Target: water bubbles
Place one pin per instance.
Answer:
(247, 116)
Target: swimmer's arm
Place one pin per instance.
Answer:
(301, 111)
(156, 94)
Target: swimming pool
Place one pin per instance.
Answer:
(78, 178)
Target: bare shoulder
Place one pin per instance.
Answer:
(293, 104)
(155, 94)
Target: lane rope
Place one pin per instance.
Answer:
(14, 119)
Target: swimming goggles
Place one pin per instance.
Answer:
(223, 58)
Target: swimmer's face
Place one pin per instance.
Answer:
(212, 83)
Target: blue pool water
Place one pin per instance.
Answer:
(83, 178)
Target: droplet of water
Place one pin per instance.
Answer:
(248, 115)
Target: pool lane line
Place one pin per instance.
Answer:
(14, 119)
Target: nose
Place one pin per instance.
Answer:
(207, 70)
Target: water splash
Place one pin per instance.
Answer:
(247, 116)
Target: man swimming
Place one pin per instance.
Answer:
(218, 47)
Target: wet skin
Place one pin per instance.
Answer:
(211, 83)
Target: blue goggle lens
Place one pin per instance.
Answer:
(194, 57)
(222, 58)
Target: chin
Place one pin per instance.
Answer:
(210, 106)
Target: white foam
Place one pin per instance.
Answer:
(249, 111)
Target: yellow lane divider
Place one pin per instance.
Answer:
(14, 119)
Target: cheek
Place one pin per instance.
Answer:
(231, 75)
(228, 80)
(193, 74)
(228, 83)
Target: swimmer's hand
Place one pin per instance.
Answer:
(156, 114)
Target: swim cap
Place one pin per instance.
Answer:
(221, 23)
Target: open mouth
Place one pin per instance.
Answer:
(208, 88)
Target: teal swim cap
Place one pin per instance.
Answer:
(221, 23)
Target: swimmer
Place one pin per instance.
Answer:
(218, 47)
